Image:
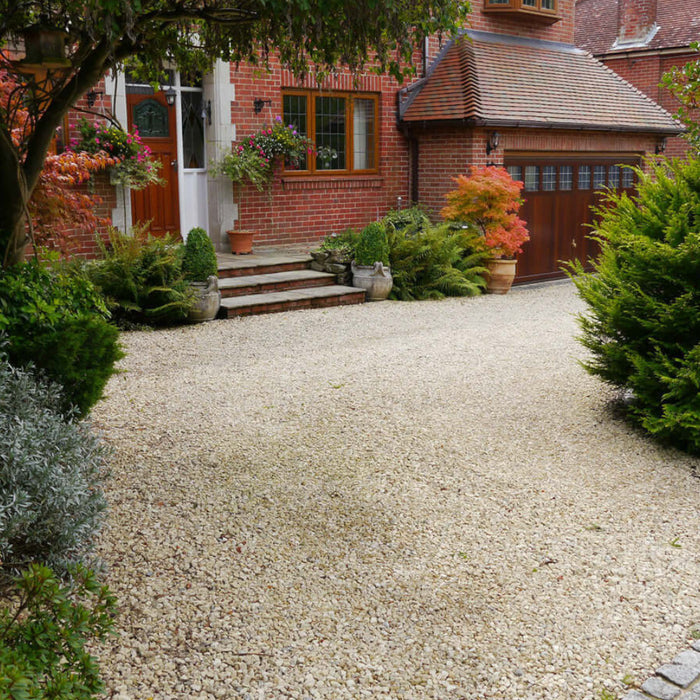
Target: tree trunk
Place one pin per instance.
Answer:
(13, 234)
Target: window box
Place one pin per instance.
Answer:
(540, 10)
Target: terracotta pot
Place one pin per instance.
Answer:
(375, 279)
(241, 242)
(500, 276)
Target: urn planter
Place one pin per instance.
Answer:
(375, 279)
(207, 299)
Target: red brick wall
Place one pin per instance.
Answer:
(449, 152)
(521, 25)
(645, 73)
(303, 209)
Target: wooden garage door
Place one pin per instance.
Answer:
(559, 192)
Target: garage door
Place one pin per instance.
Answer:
(559, 192)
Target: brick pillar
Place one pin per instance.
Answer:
(635, 19)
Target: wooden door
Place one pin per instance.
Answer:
(155, 122)
(559, 194)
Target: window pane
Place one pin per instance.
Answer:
(549, 178)
(363, 134)
(499, 2)
(193, 130)
(584, 177)
(529, 3)
(566, 177)
(627, 178)
(548, 4)
(532, 178)
(614, 176)
(330, 133)
(599, 176)
(294, 111)
(515, 172)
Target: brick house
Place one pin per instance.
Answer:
(512, 90)
(641, 40)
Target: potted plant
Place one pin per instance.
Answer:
(370, 268)
(488, 199)
(253, 162)
(199, 267)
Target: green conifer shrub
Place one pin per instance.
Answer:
(199, 259)
(372, 245)
(52, 317)
(44, 628)
(642, 325)
(51, 471)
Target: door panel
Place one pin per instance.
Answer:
(559, 217)
(155, 121)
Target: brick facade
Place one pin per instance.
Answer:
(636, 18)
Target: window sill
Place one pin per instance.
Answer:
(333, 182)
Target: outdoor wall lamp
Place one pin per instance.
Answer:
(492, 142)
(259, 103)
(92, 96)
(205, 112)
(170, 96)
(660, 147)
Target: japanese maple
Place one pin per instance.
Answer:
(489, 199)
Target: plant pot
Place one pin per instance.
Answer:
(241, 242)
(375, 279)
(207, 299)
(500, 276)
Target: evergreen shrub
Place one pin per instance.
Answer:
(142, 279)
(642, 325)
(44, 628)
(199, 258)
(372, 245)
(51, 316)
(51, 470)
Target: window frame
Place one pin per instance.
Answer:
(349, 170)
(516, 7)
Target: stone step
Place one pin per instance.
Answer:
(306, 298)
(247, 265)
(273, 282)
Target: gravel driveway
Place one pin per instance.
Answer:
(394, 500)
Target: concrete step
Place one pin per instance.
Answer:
(273, 282)
(247, 265)
(306, 298)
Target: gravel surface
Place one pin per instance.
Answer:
(394, 500)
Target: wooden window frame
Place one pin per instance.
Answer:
(516, 7)
(349, 132)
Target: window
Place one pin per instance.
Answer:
(549, 178)
(599, 177)
(566, 177)
(614, 176)
(535, 9)
(627, 178)
(532, 178)
(584, 177)
(515, 172)
(343, 126)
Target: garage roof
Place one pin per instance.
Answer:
(490, 79)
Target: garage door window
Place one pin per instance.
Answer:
(627, 178)
(599, 177)
(614, 176)
(584, 177)
(532, 178)
(566, 177)
(549, 178)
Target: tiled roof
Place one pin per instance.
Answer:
(502, 80)
(596, 25)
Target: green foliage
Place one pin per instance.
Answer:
(199, 259)
(44, 630)
(643, 323)
(53, 317)
(345, 241)
(431, 262)
(372, 245)
(51, 468)
(142, 280)
(684, 84)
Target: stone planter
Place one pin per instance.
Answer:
(337, 262)
(375, 279)
(500, 276)
(207, 300)
(241, 242)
